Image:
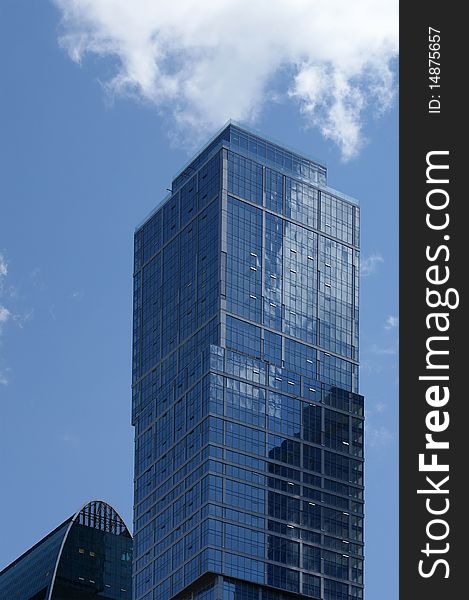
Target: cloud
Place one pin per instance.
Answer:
(3, 378)
(4, 314)
(391, 322)
(370, 367)
(23, 318)
(8, 314)
(380, 407)
(202, 63)
(375, 349)
(3, 266)
(378, 436)
(370, 264)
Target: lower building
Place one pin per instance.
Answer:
(88, 556)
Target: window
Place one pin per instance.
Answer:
(243, 336)
(245, 496)
(244, 438)
(244, 178)
(284, 578)
(283, 551)
(244, 540)
(284, 414)
(242, 567)
(274, 190)
(245, 402)
(283, 450)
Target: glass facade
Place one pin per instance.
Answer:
(248, 422)
(88, 557)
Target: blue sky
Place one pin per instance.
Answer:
(82, 161)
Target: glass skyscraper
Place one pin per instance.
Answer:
(87, 557)
(248, 422)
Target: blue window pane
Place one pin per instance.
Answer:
(245, 402)
(245, 496)
(243, 336)
(284, 578)
(301, 202)
(284, 450)
(242, 567)
(284, 414)
(244, 540)
(244, 438)
(244, 260)
(312, 585)
(311, 458)
(335, 590)
(300, 358)
(273, 348)
(274, 190)
(273, 275)
(284, 551)
(244, 178)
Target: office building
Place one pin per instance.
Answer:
(248, 422)
(87, 557)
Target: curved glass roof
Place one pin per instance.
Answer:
(52, 562)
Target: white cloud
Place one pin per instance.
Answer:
(3, 266)
(3, 378)
(206, 62)
(8, 294)
(4, 314)
(22, 318)
(391, 322)
(370, 264)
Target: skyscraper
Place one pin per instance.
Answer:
(87, 557)
(249, 426)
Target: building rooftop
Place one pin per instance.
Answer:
(256, 146)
